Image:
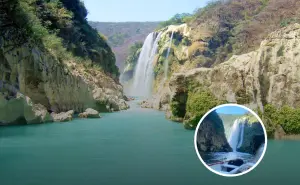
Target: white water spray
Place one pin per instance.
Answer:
(237, 134)
(143, 75)
(166, 67)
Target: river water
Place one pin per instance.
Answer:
(136, 146)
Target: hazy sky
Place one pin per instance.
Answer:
(139, 10)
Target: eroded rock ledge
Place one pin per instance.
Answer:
(268, 75)
(26, 72)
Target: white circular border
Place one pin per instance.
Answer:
(219, 173)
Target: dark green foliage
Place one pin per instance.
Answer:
(198, 103)
(178, 105)
(131, 61)
(243, 97)
(288, 21)
(60, 26)
(134, 52)
(280, 51)
(186, 41)
(287, 117)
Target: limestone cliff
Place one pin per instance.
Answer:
(39, 73)
(59, 86)
(269, 74)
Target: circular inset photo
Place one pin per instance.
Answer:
(230, 140)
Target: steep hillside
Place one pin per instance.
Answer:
(121, 35)
(237, 51)
(52, 61)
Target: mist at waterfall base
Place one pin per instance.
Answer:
(235, 140)
(143, 75)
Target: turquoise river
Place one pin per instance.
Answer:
(136, 146)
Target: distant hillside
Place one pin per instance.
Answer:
(121, 35)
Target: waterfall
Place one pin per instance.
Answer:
(242, 127)
(237, 134)
(143, 75)
(166, 67)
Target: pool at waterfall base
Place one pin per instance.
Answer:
(136, 146)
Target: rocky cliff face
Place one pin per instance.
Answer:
(269, 74)
(59, 86)
(211, 135)
(46, 71)
(253, 138)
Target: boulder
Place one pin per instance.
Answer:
(279, 132)
(37, 113)
(63, 116)
(19, 109)
(89, 113)
(146, 104)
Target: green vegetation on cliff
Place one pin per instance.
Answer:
(131, 61)
(198, 103)
(120, 35)
(57, 26)
(226, 28)
(286, 117)
(176, 20)
(191, 106)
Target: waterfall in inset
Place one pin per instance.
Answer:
(237, 134)
(143, 75)
(166, 67)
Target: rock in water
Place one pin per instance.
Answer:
(89, 113)
(236, 162)
(63, 116)
(211, 135)
(37, 113)
(19, 109)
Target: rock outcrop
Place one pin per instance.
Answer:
(63, 116)
(58, 86)
(89, 113)
(268, 75)
(62, 67)
(19, 109)
(211, 135)
(253, 137)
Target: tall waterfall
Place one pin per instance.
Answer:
(166, 67)
(237, 134)
(143, 75)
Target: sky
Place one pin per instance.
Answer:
(139, 10)
(231, 110)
